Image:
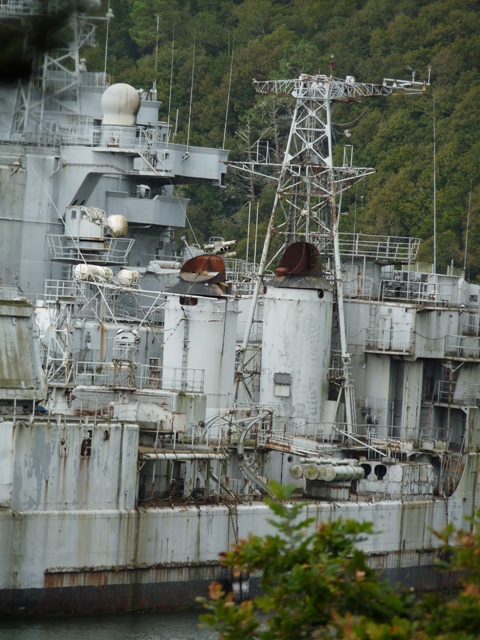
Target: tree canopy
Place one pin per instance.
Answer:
(319, 585)
(369, 39)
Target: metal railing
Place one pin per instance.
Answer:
(360, 287)
(64, 291)
(25, 138)
(424, 293)
(380, 439)
(83, 134)
(462, 346)
(403, 438)
(139, 376)
(397, 340)
(241, 274)
(140, 140)
(107, 301)
(336, 372)
(280, 428)
(106, 251)
(434, 434)
(454, 392)
(383, 249)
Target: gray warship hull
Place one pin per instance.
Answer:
(147, 398)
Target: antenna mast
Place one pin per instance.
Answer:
(170, 88)
(156, 55)
(434, 193)
(108, 17)
(191, 89)
(62, 68)
(309, 185)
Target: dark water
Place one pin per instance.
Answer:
(138, 626)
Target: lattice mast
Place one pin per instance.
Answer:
(309, 185)
(55, 81)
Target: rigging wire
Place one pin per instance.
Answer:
(228, 94)
(184, 207)
(171, 86)
(434, 192)
(156, 51)
(248, 229)
(348, 124)
(191, 89)
(256, 236)
(468, 225)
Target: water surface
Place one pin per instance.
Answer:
(131, 626)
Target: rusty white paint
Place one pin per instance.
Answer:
(21, 373)
(7, 438)
(76, 465)
(296, 341)
(203, 337)
(34, 544)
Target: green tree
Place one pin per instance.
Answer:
(319, 585)
(370, 39)
(309, 582)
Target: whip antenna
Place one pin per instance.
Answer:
(228, 94)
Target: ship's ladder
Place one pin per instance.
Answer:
(372, 325)
(425, 423)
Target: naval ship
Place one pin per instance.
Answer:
(148, 398)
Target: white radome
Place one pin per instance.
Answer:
(120, 105)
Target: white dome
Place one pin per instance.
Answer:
(120, 105)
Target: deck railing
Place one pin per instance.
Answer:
(121, 374)
(107, 251)
(383, 249)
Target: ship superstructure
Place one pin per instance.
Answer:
(146, 399)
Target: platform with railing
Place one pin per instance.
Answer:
(72, 291)
(83, 132)
(417, 292)
(104, 301)
(402, 439)
(381, 249)
(458, 393)
(462, 347)
(108, 251)
(123, 374)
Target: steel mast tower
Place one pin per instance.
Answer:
(55, 81)
(309, 186)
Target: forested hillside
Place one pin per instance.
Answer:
(369, 39)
